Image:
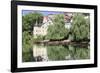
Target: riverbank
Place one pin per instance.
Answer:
(62, 42)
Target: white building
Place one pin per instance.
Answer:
(68, 19)
(47, 20)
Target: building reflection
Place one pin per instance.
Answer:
(40, 53)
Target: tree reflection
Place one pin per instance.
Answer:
(56, 53)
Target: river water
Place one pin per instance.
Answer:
(42, 52)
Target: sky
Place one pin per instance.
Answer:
(45, 13)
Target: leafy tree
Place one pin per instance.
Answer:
(30, 19)
(28, 22)
(80, 27)
(57, 30)
(26, 41)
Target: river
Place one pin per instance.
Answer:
(56, 53)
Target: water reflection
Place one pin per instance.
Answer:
(40, 53)
(56, 53)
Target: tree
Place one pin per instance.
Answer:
(57, 30)
(28, 22)
(30, 19)
(80, 27)
(26, 41)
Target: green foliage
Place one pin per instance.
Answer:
(57, 30)
(69, 52)
(80, 27)
(80, 30)
(28, 56)
(28, 22)
(57, 52)
(82, 53)
(78, 52)
(88, 27)
(27, 46)
(26, 41)
(38, 38)
(30, 19)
